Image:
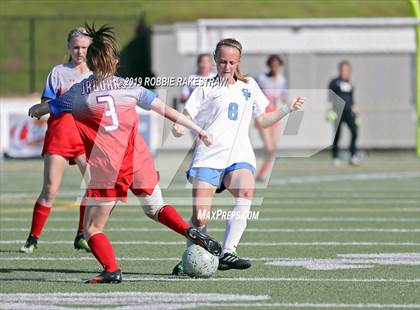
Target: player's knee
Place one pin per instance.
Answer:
(152, 211)
(246, 194)
(153, 203)
(49, 193)
(91, 229)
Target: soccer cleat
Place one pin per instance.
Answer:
(80, 242)
(205, 241)
(107, 277)
(179, 270)
(232, 261)
(354, 161)
(30, 244)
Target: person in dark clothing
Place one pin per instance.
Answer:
(344, 89)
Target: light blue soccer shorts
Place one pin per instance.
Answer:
(215, 176)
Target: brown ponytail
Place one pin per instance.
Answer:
(235, 44)
(103, 54)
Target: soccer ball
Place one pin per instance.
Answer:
(198, 263)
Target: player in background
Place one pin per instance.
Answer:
(103, 107)
(273, 85)
(344, 89)
(62, 142)
(204, 64)
(226, 111)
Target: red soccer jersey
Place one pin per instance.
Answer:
(108, 125)
(61, 137)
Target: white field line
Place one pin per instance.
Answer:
(254, 244)
(276, 181)
(350, 201)
(311, 305)
(240, 279)
(263, 209)
(372, 257)
(165, 300)
(255, 230)
(263, 219)
(120, 300)
(352, 261)
(244, 280)
(365, 192)
(345, 177)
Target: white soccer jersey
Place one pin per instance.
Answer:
(275, 90)
(226, 112)
(194, 79)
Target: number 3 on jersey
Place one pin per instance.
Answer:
(233, 111)
(110, 112)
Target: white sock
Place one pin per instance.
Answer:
(203, 229)
(235, 226)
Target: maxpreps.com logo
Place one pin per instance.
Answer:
(246, 93)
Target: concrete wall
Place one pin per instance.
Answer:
(383, 74)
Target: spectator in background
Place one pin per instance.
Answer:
(273, 85)
(344, 89)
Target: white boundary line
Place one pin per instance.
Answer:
(264, 219)
(255, 230)
(311, 305)
(243, 279)
(255, 244)
(371, 257)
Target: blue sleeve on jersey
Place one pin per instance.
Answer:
(145, 99)
(60, 105)
(49, 89)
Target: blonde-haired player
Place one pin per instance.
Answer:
(62, 142)
(226, 112)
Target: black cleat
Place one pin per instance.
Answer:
(205, 241)
(179, 270)
(107, 277)
(80, 242)
(30, 244)
(232, 261)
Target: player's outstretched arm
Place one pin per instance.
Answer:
(39, 110)
(173, 115)
(269, 119)
(179, 130)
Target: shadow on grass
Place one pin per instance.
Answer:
(10, 251)
(71, 271)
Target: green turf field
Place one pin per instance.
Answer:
(326, 238)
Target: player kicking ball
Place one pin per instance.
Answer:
(229, 163)
(103, 107)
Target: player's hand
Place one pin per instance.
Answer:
(206, 137)
(35, 111)
(296, 103)
(178, 130)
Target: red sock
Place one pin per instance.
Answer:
(103, 251)
(170, 217)
(264, 167)
(81, 215)
(39, 218)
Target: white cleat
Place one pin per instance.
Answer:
(354, 161)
